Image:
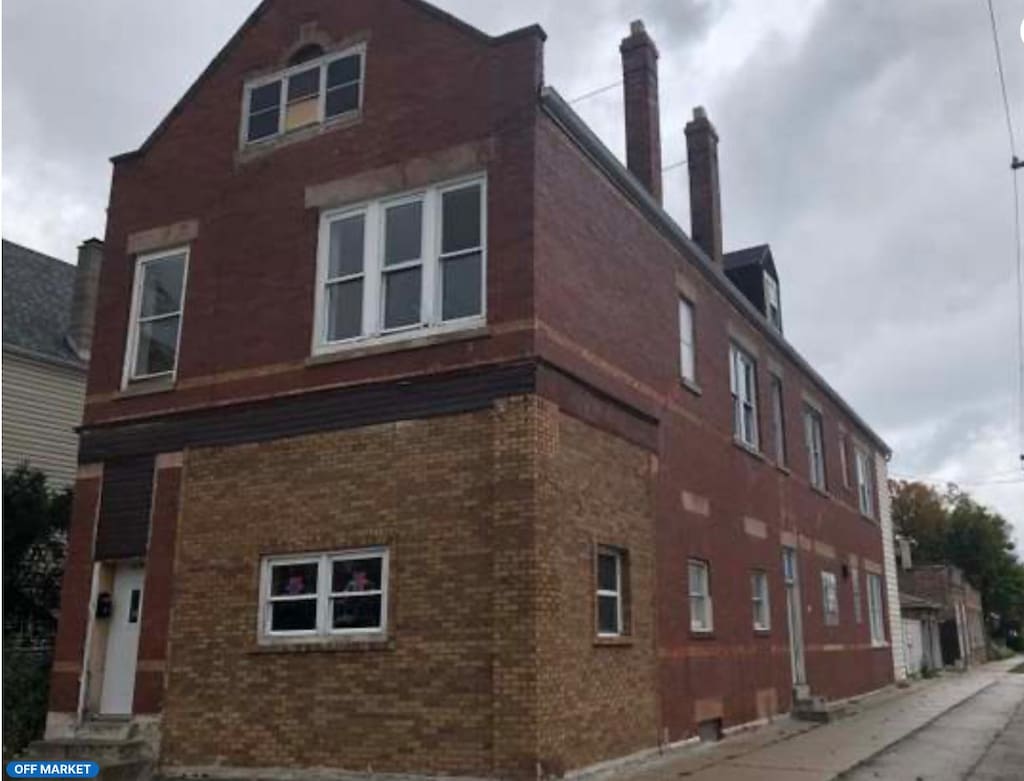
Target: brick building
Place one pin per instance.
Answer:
(420, 438)
(961, 620)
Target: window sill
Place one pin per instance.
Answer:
(617, 641)
(253, 150)
(406, 340)
(147, 387)
(821, 491)
(691, 386)
(750, 450)
(784, 469)
(762, 631)
(332, 645)
(702, 634)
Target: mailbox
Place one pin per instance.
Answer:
(104, 605)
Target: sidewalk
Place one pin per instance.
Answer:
(788, 750)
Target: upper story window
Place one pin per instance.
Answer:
(778, 420)
(309, 93)
(157, 304)
(411, 262)
(687, 344)
(815, 440)
(844, 466)
(772, 308)
(862, 464)
(743, 382)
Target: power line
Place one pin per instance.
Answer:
(594, 92)
(1015, 165)
(992, 480)
(676, 164)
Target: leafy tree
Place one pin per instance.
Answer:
(953, 528)
(35, 533)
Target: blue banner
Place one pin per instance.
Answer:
(56, 769)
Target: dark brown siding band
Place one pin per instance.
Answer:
(307, 413)
(123, 528)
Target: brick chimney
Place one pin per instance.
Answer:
(83, 300)
(640, 88)
(705, 193)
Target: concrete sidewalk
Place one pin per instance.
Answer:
(788, 750)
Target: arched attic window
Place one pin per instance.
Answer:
(306, 53)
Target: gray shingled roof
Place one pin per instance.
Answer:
(37, 292)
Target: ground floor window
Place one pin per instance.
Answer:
(762, 611)
(325, 594)
(875, 609)
(830, 598)
(610, 602)
(701, 616)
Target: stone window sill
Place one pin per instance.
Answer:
(621, 641)
(413, 340)
(702, 634)
(750, 450)
(147, 387)
(333, 645)
(691, 386)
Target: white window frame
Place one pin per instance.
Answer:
(865, 488)
(875, 610)
(687, 340)
(128, 375)
(373, 331)
(743, 386)
(844, 465)
(858, 608)
(814, 439)
(617, 555)
(704, 567)
(322, 63)
(830, 598)
(324, 596)
(761, 599)
(778, 418)
(772, 306)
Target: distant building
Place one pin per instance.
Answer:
(960, 617)
(47, 336)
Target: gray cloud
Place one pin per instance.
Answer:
(863, 140)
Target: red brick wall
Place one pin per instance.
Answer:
(607, 296)
(247, 325)
(76, 586)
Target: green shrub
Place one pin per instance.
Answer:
(26, 688)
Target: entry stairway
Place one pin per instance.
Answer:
(111, 743)
(809, 707)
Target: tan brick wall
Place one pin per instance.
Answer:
(598, 700)
(454, 691)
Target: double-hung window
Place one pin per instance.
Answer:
(862, 463)
(773, 310)
(743, 382)
(778, 420)
(762, 609)
(156, 311)
(830, 598)
(610, 613)
(701, 614)
(844, 465)
(815, 440)
(326, 594)
(875, 609)
(412, 262)
(858, 609)
(687, 346)
(309, 93)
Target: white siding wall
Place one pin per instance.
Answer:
(42, 405)
(892, 588)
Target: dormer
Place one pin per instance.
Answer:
(752, 271)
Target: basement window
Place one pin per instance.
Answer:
(404, 266)
(318, 596)
(312, 92)
(156, 311)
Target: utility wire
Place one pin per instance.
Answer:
(594, 92)
(1015, 165)
(676, 164)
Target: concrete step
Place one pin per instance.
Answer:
(107, 728)
(817, 709)
(98, 750)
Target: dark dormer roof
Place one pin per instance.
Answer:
(758, 255)
(37, 304)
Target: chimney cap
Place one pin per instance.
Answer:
(636, 27)
(638, 38)
(92, 240)
(699, 112)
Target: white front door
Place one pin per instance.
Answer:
(791, 577)
(122, 640)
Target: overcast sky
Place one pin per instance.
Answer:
(865, 141)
